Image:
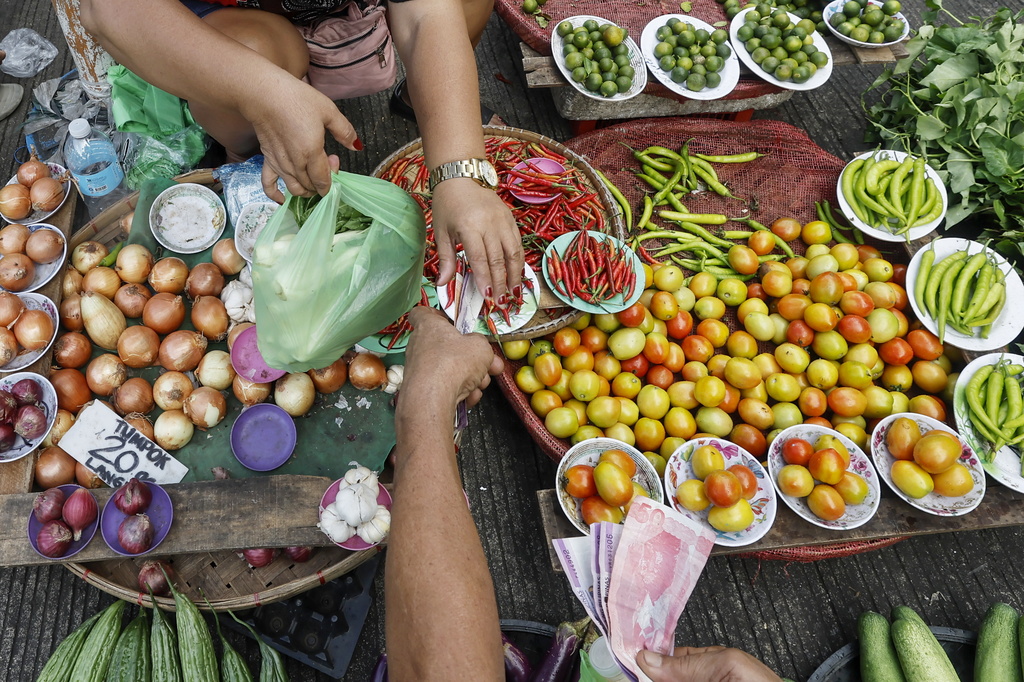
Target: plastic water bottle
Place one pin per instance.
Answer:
(603, 662)
(92, 160)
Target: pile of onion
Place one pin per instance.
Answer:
(23, 250)
(35, 189)
(29, 330)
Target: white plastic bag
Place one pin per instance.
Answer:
(28, 53)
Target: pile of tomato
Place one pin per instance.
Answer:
(607, 489)
(692, 356)
(820, 474)
(727, 492)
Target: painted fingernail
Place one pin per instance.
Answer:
(487, 293)
(503, 299)
(358, 144)
(518, 290)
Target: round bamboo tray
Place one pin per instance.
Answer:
(546, 320)
(220, 578)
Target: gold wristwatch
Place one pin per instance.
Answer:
(480, 170)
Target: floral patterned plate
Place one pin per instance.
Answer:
(933, 503)
(856, 514)
(1005, 467)
(764, 504)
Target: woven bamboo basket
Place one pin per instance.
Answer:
(546, 320)
(221, 578)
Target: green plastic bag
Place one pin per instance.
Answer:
(328, 272)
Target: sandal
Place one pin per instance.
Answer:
(399, 106)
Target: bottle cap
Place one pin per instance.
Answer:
(602, 660)
(79, 128)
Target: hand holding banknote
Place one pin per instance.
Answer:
(704, 664)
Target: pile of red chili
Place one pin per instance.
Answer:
(592, 270)
(398, 330)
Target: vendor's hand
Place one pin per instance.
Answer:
(707, 664)
(439, 361)
(477, 217)
(290, 125)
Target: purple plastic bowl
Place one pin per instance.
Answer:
(263, 437)
(354, 543)
(248, 361)
(160, 512)
(34, 527)
(549, 166)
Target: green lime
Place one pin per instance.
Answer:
(685, 62)
(784, 72)
(621, 60)
(752, 17)
(681, 52)
(809, 49)
(780, 53)
(752, 44)
(801, 75)
(672, 23)
(686, 38)
(861, 34)
(893, 32)
(771, 41)
(715, 63)
(530, 6)
(698, 69)
(602, 53)
(807, 25)
(607, 64)
(702, 36)
(620, 49)
(609, 89)
(679, 75)
(623, 83)
(873, 17)
(612, 36)
(581, 40)
(573, 60)
(719, 36)
(876, 38)
(780, 19)
(852, 8)
(626, 71)
(579, 74)
(763, 8)
(595, 36)
(564, 29)
(568, 49)
(663, 33)
(758, 55)
(695, 82)
(608, 76)
(593, 82)
(819, 59)
(744, 33)
(713, 80)
(591, 25)
(724, 51)
(891, 7)
(799, 57)
(667, 63)
(587, 52)
(837, 19)
(762, 31)
(793, 44)
(709, 50)
(731, 12)
(855, 21)
(810, 67)
(770, 64)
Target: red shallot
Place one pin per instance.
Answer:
(80, 510)
(27, 392)
(7, 437)
(135, 534)
(154, 577)
(54, 539)
(133, 497)
(48, 505)
(30, 422)
(258, 558)
(299, 555)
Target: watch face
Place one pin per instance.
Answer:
(488, 174)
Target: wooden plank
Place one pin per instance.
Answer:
(272, 511)
(895, 518)
(16, 476)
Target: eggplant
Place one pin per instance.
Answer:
(558, 661)
(380, 671)
(517, 666)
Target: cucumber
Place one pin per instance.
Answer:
(131, 661)
(1020, 641)
(921, 656)
(62, 661)
(906, 613)
(998, 651)
(878, 659)
(94, 658)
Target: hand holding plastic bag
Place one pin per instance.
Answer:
(328, 272)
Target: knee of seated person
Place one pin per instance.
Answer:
(90, 13)
(270, 35)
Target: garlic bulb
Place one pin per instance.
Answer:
(361, 475)
(237, 299)
(245, 276)
(333, 526)
(395, 375)
(376, 528)
(356, 504)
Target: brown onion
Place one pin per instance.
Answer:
(170, 390)
(72, 389)
(13, 239)
(71, 313)
(204, 280)
(8, 346)
(72, 349)
(226, 257)
(168, 275)
(367, 371)
(86, 478)
(134, 263)
(104, 321)
(33, 170)
(44, 246)
(63, 421)
(33, 329)
(88, 255)
(206, 407)
(131, 299)
(294, 393)
(46, 194)
(10, 307)
(15, 202)
(134, 395)
(330, 378)
(210, 317)
(249, 392)
(173, 430)
(215, 370)
(102, 280)
(105, 373)
(54, 467)
(16, 272)
(236, 330)
(138, 346)
(142, 423)
(164, 313)
(182, 350)
(72, 282)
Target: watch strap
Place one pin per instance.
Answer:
(467, 168)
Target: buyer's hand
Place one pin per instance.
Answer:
(707, 664)
(476, 217)
(441, 361)
(290, 122)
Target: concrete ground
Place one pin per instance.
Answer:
(791, 615)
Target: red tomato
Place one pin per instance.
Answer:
(637, 365)
(750, 439)
(633, 316)
(698, 348)
(548, 368)
(593, 339)
(797, 451)
(660, 376)
(580, 481)
(747, 479)
(755, 290)
(621, 459)
(613, 484)
(800, 333)
(723, 488)
(594, 509)
(676, 357)
(680, 325)
(567, 340)
(899, 274)
(896, 352)
(866, 251)
(925, 344)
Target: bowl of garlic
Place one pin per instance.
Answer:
(355, 511)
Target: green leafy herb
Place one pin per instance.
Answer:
(349, 219)
(958, 100)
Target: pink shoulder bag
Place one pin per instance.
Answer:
(351, 53)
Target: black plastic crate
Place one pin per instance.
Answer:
(319, 627)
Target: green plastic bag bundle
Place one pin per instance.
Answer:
(328, 272)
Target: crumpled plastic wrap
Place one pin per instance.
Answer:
(28, 53)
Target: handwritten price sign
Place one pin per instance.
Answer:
(116, 451)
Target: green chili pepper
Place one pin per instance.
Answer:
(732, 158)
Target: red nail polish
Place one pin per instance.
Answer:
(358, 144)
(519, 290)
(487, 293)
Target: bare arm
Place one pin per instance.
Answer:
(433, 41)
(441, 618)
